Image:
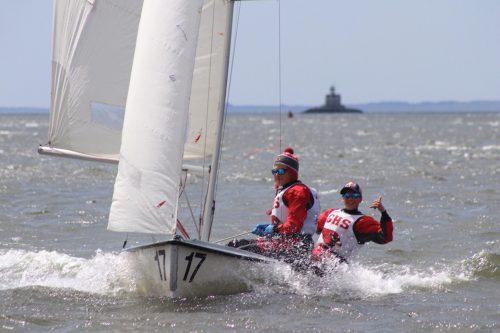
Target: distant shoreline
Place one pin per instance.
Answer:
(384, 107)
(378, 107)
(20, 110)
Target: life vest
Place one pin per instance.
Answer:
(338, 234)
(279, 213)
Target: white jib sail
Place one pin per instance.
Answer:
(156, 118)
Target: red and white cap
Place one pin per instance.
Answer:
(288, 159)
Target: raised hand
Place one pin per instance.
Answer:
(377, 204)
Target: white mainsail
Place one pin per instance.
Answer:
(94, 45)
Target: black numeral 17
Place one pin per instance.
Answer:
(189, 258)
(163, 277)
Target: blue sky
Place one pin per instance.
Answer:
(384, 50)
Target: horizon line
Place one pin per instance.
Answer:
(312, 105)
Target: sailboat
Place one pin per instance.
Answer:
(143, 84)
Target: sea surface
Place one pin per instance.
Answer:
(438, 174)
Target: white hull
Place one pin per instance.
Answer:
(189, 268)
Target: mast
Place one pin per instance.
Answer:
(209, 205)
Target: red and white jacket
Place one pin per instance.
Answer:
(344, 232)
(294, 214)
(296, 209)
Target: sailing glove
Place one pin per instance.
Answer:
(260, 229)
(269, 231)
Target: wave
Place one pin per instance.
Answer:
(355, 281)
(483, 265)
(105, 273)
(362, 281)
(112, 274)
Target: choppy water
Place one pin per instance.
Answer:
(60, 270)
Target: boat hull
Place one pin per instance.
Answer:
(191, 268)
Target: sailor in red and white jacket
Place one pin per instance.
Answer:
(295, 209)
(344, 231)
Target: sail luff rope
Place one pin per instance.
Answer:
(204, 193)
(228, 90)
(230, 74)
(183, 191)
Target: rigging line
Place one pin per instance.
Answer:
(183, 231)
(233, 236)
(182, 185)
(125, 242)
(183, 191)
(230, 75)
(203, 192)
(192, 215)
(279, 70)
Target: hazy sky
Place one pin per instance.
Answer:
(383, 50)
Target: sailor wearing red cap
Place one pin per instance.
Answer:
(293, 215)
(344, 231)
